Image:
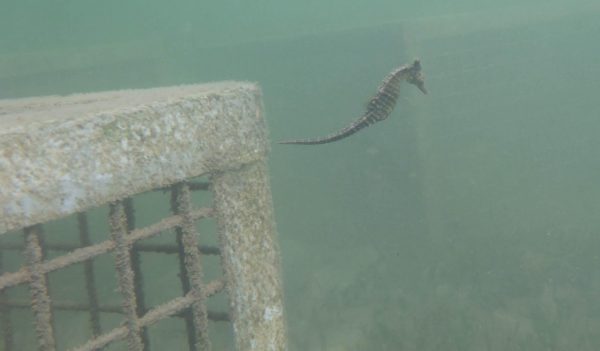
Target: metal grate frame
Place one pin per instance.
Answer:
(57, 158)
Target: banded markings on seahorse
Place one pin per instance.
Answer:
(379, 107)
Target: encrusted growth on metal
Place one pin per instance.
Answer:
(90, 277)
(118, 231)
(61, 156)
(186, 237)
(39, 289)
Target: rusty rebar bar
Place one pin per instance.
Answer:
(160, 248)
(216, 316)
(80, 255)
(88, 271)
(38, 286)
(187, 235)
(136, 266)
(118, 229)
(170, 308)
(183, 276)
(63, 306)
(172, 249)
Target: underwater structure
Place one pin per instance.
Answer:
(71, 162)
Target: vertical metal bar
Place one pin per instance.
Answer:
(7, 334)
(193, 268)
(88, 270)
(118, 229)
(38, 286)
(183, 276)
(138, 280)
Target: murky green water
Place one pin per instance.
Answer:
(466, 221)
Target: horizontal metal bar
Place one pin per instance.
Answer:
(58, 306)
(161, 248)
(62, 306)
(165, 310)
(82, 254)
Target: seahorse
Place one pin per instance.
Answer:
(379, 107)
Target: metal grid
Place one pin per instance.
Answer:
(126, 249)
(241, 206)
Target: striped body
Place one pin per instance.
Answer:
(379, 107)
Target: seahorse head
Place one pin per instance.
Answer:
(415, 76)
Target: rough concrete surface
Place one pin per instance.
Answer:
(250, 256)
(64, 154)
